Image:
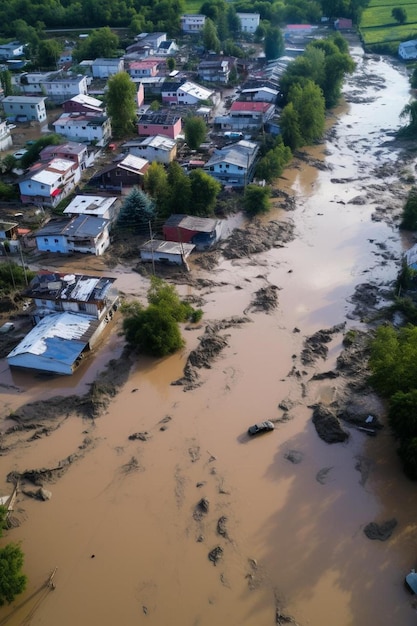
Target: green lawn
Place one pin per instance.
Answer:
(193, 6)
(378, 27)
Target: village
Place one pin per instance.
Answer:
(70, 198)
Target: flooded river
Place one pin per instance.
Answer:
(122, 526)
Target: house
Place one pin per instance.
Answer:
(259, 94)
(49, 184)
(298, 32)
(215, 70)
(167, 48)
(157, 250)
(407, 50)
(140, 95)
(154, 148)
(71, 151)
(82, 103)
(203, 232)
(25, 108)
(191, 24)
(54, 292)
(151, 40)
(8, 231)
(169, 91)
(249, 22)
(248, 116)
(56, 345)
(88, 234)
(12, 50)
(234, 165)
(105, 207)
(82, 233)
(127, 171)
(104, 68)
(57, 86)
(71, 313)
(140, 69)
(343, 23)
(165, 123)
(192, 93)
(84, 127)
(6, 140)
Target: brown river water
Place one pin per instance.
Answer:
(291, 539)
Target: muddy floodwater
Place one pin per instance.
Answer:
(131, 525)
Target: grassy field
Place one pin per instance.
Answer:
(378, 27)
(193, 6)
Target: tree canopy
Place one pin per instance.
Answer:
(399, 14)
(136, 212)
(256, 200)
(155, 330)
(409, 216)
(32, 155)
(102, 42)
(12, 581)
(195, 130)
(121, 103)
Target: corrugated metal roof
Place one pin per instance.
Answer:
(168, 247)
(60, 337)
(189, 222)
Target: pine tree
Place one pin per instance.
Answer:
(136, 212)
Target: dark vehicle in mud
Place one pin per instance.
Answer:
(261, 427)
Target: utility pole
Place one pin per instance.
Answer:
(151, 236)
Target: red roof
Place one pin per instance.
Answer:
(250, 106)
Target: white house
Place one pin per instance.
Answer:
(233, 165)
(260, 94)
(166, 251)
(49, 184)
(71, 312)
(407, 50)
(154, 148)
(106, 207)
(192, 93)
(25, 108)
(87, 127)
(192, 23)
(57, 86)
(249, 22)
(104, 68)
(83, 233)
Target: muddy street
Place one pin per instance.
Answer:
(169, 513)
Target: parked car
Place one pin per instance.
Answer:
(7, 328)
(19, 154)
(261, 427)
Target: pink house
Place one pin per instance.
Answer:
(144, 68)
(163, 123)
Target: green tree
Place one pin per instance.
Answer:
(210, 38)
(32, 155)
(156, 185)
(409, 216)
(121, 103)
(233, 20)
(410, 112)
(8, 163)
(195, 130)
(408, 455)
(403, 414)
(274, 46)
(413, 79)
(12, 581)
(6, 82)
(48, 54)
(393, 360)
(271, 166)
(290, 127)
(256, 200)
(179, 190)
(155, 330)
(136, 211)
(399, 14)
(204, 192)
(309, 103)
(171, 64)
(102, 42)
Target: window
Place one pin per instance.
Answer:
(165, 127)
(56, 240)
(45, 239)
(42, 186)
